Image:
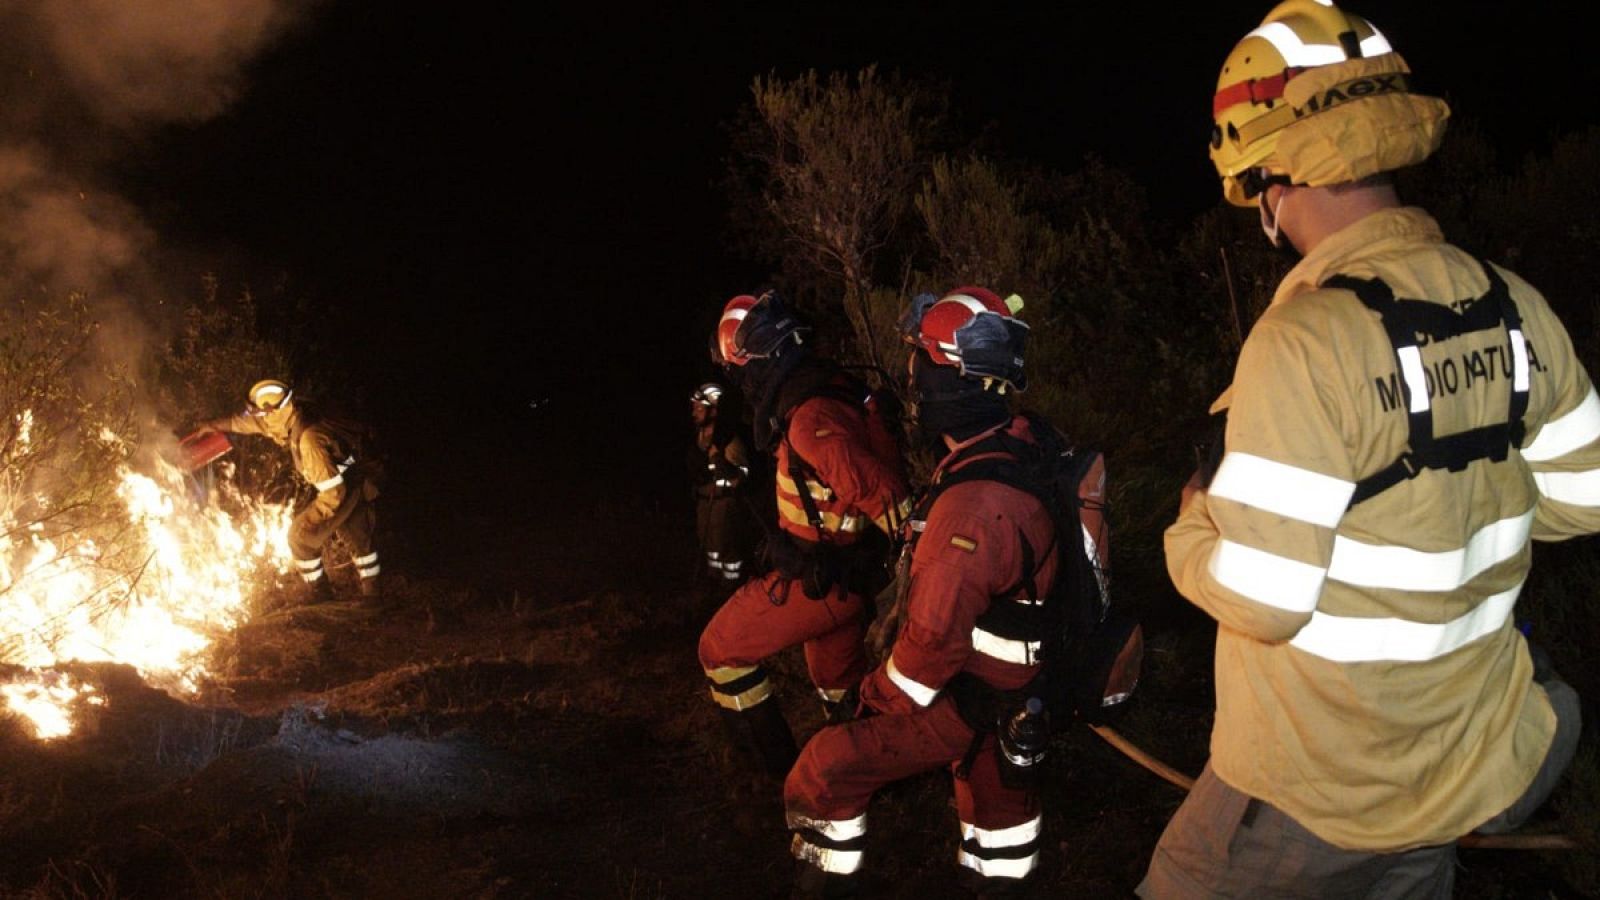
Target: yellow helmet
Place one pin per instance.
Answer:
(1316, 96)
(268, 396)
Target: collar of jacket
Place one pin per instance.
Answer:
(1382, 232)
(1016, 426)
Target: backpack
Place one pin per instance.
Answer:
(360, 441)
(1092, 649)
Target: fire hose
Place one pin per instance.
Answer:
(1473, 841)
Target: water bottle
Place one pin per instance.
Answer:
(1023, 739)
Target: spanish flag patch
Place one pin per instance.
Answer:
(963, 543)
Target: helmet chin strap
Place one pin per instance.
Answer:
(1271, 225)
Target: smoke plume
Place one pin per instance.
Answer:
(84, 82)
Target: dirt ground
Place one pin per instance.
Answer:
(529, 721)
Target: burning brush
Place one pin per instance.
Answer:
(153, 592)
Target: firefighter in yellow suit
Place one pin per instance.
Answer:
(328, 460)
(1403, 420)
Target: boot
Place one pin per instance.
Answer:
(765, 731)
(811, 883)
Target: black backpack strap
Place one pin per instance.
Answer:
(1022, 621)
(1411, 323)
(848, 390)
(802, 474)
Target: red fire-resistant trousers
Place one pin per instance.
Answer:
(771, 613)
(843, 765)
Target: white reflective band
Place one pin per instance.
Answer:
(367, 560)
(1519, 360)
(311, 576)
(1559, 437)
(734, 565)
(830, 521)
(370, 572)
(920, 693)
(1015, 836)
(739, 702)
(1404, 569)
(723, 482)
(1344, 639)
(818, 491)
(1023, 653)
(330, 484)
(832, 829)
(1267, 578)
(729, 575)
(1283, 489)
(973, 304)
(1296, 52)
(348, 462)
(1416, 381)
(1576, 488)
(735, 315)
(839, 862)
(832, 695)
(307, 565)
(999, 868)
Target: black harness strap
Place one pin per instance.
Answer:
(851, 394)
(1015, 620)
(1412, 323)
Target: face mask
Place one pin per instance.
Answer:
(944, 403)
(1269, 221)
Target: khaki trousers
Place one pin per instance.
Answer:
(1224, 843)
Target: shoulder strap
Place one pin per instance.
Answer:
(1409, 324)
(1003, 467)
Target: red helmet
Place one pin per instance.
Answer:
(972, 329)
(756, 328)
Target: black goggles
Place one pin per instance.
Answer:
(1255, 181)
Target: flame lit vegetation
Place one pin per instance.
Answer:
(107, 551)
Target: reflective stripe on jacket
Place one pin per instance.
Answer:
(853, 482)
(1370, 679)
(968, 557)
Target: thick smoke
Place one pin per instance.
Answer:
(84, 82)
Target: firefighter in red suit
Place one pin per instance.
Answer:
(841, 494)
(960, 662)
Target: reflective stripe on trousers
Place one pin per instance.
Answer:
(310, 569)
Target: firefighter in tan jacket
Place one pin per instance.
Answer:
(1403, 420)
(327, 459)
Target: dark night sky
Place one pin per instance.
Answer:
(507, 207)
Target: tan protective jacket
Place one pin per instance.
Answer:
(1370, 679)
(318, 456)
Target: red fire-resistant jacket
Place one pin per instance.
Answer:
(968, 557)
(851, 467)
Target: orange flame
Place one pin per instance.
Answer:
(60, 601)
